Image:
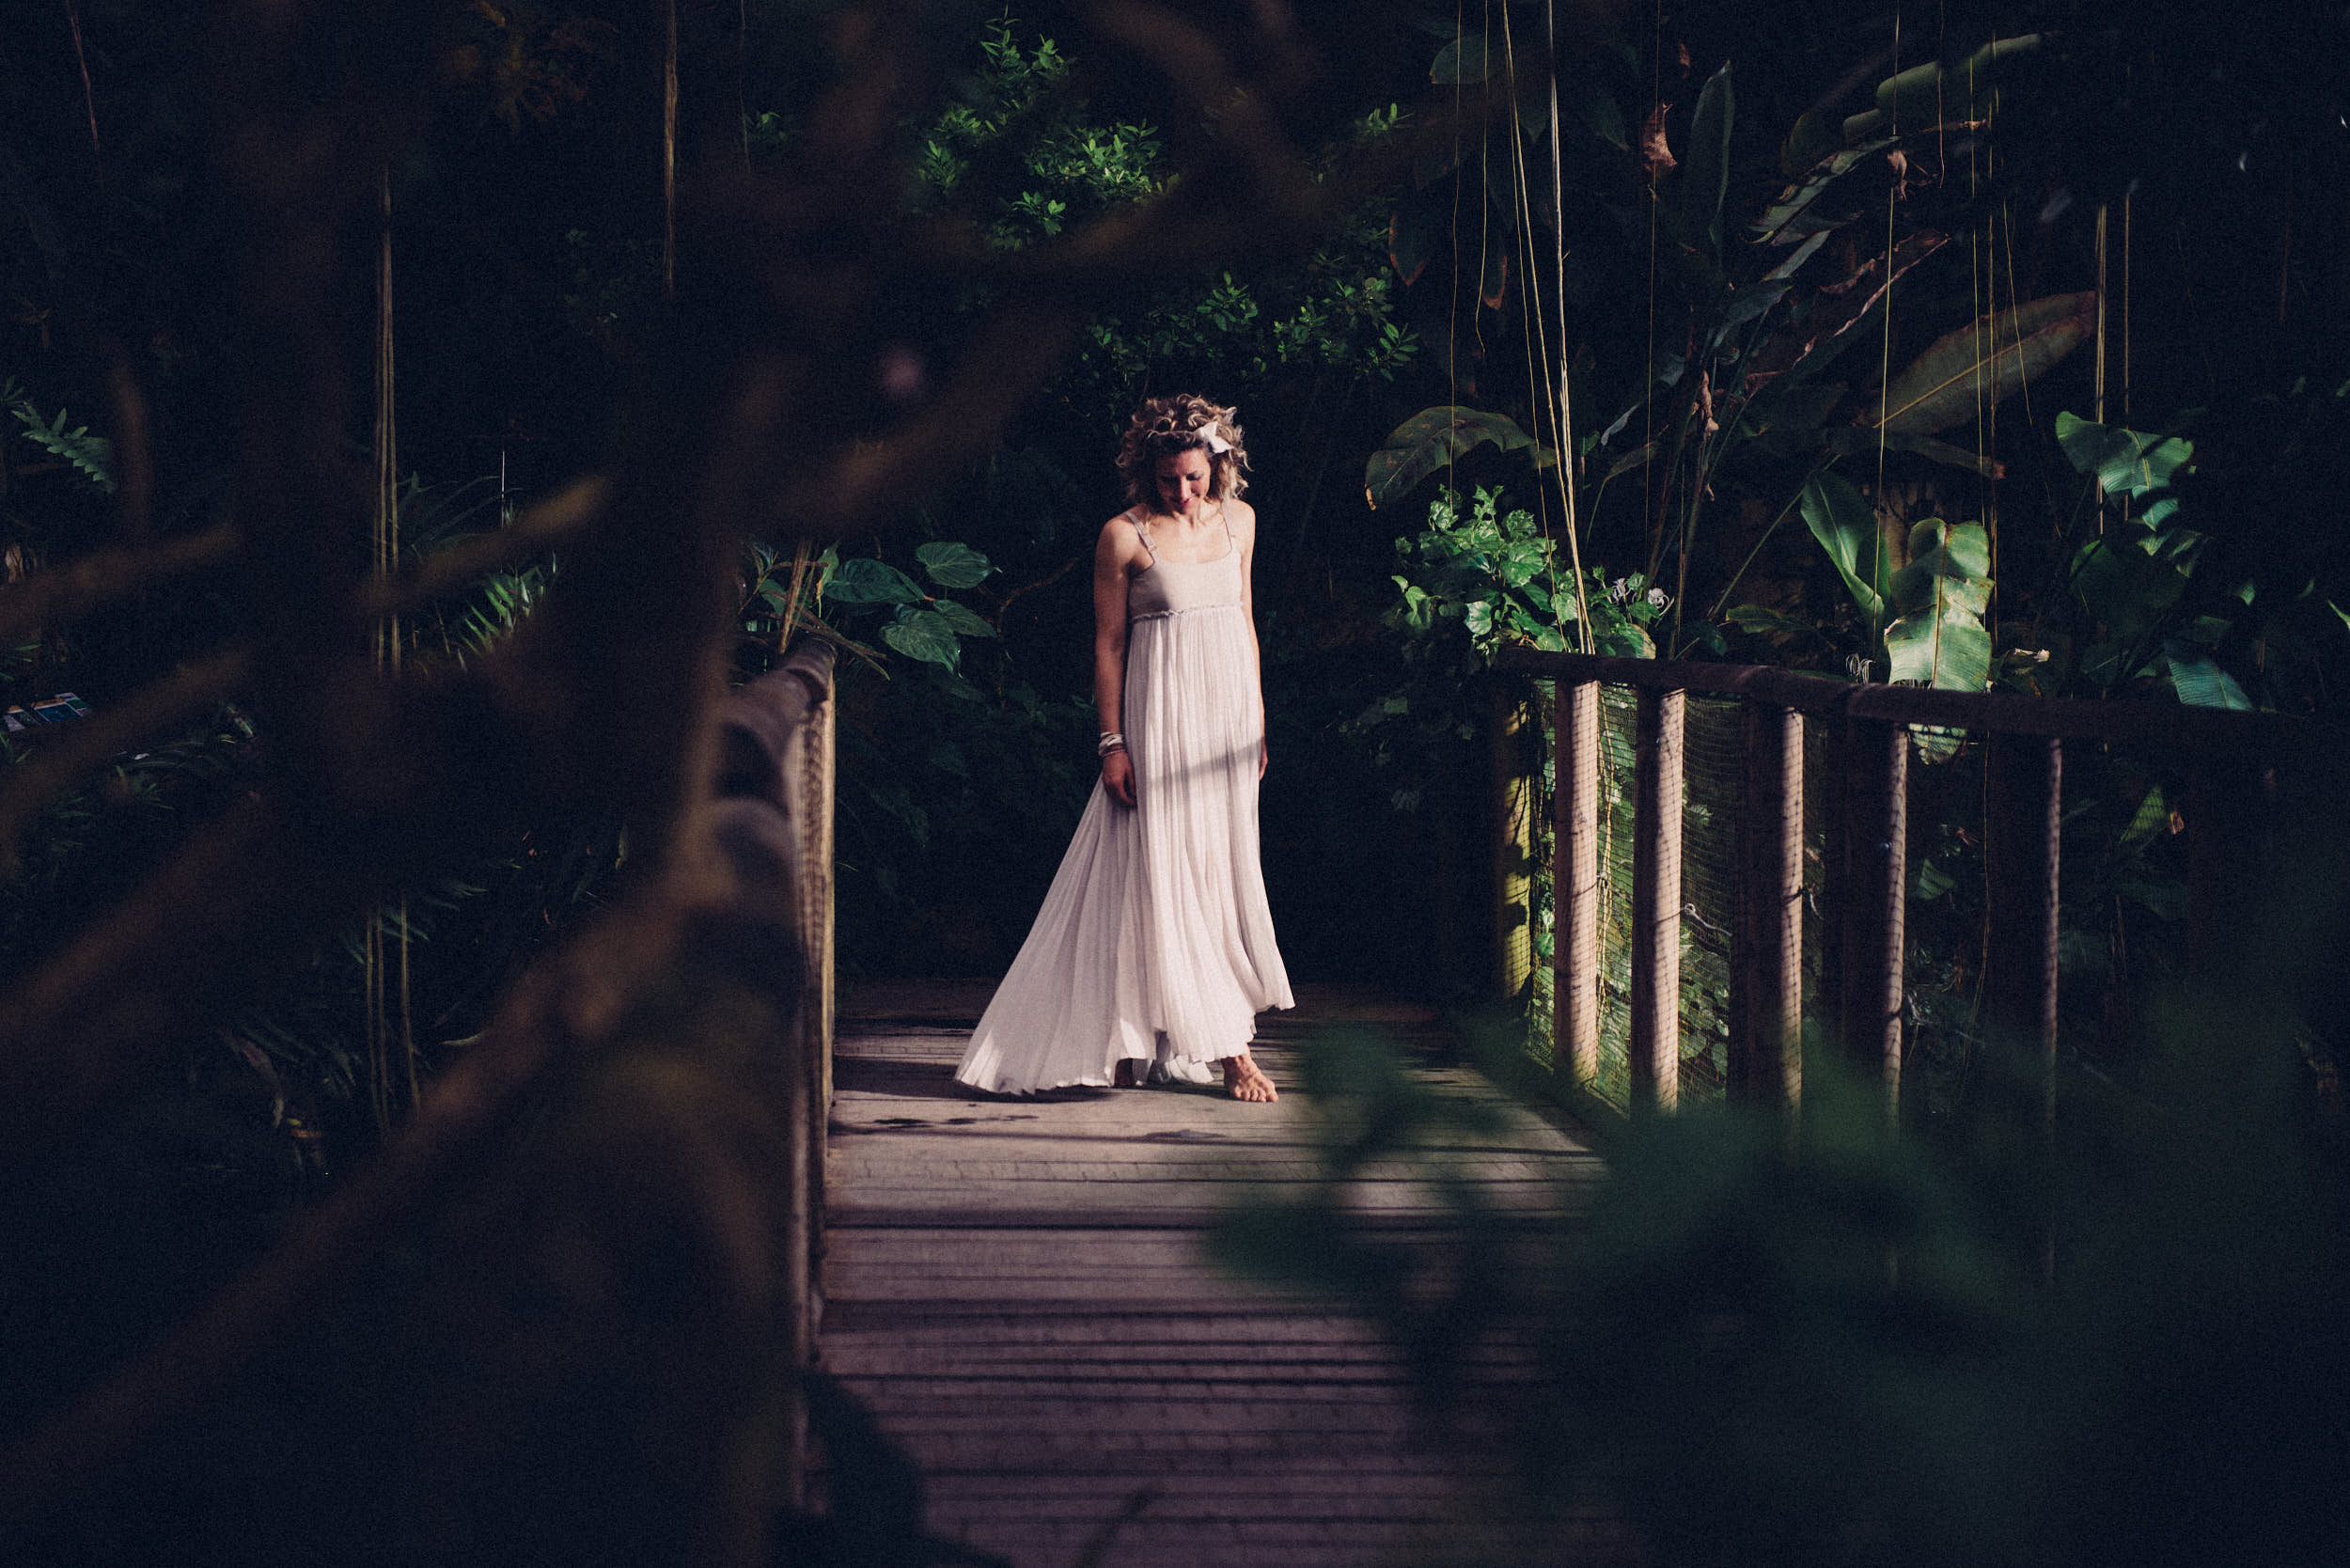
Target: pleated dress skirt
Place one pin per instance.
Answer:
(1155, 943)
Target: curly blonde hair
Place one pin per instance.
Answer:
(1179, 422)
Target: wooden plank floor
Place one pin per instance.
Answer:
(1016, 1288)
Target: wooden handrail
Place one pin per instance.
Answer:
(2173, 726)
(774, 771)
(1863, 896)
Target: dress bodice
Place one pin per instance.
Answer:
(1169, 588)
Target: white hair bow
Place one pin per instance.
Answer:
(1217, 443)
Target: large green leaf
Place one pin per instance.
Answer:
(954, 566)
(1933, 95)
(924, 634)
(864, 580)
(1838, 314)
(1840, 518)
(1796, 213)
(961, 620)
(2124, 588)
(1868, 125)
(1974, 368)
(2124, 461)
(2199, 681)
(1817, 134)
(1952, 553)
(1466, 61)
(1940, 639)
(1851, 439)
(2153, 815)
(1412, 244)
(1622, 639)
(1518, 564)
(1793, 263)
(1589, 100)
(1705, 176)
(1430, 439)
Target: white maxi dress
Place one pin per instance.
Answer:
(1154, 943)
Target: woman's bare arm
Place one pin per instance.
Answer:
(1114, 559)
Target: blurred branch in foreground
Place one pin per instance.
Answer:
(1832, 1344)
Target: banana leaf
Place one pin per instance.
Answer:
(2127, 590)
(1940, 639)
(2124, 461)
(1827, 326)
(1815, 136)
(1840, 518)
(2199, 681)
(1793, 217)
(1933, 95)
(1854, 439)
(1434, 436)
(1982, 362)
(1705, 174)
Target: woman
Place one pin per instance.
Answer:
(1154, 950)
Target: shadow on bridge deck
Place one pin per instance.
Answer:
(1017, 1288)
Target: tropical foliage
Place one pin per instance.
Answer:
(1759, 390)
(1852, 1335)
(1638, 295)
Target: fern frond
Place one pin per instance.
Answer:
(92, 455)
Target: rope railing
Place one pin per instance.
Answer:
(2231, 759)
(775, 775)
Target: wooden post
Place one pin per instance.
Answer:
(800, 754)
(1876, 812)
(826, 808)
(814, 803)
(1655, 1043)
(1513, 847)
(1767, 966)
(1835, 875)
(1574, 883)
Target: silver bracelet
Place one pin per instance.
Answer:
(1111, 740)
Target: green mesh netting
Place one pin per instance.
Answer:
(2124, 932)
(1710, 805)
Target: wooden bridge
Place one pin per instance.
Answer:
(675, 1173)
(1016, 1288)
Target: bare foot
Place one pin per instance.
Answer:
(1245, 1080)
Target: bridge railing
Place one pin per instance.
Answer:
(608, 1213)
(1861, 829)
(774, 790)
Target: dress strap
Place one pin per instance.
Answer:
(1133, 515)
(1231, 542)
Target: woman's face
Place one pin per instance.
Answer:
(1182, 480)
